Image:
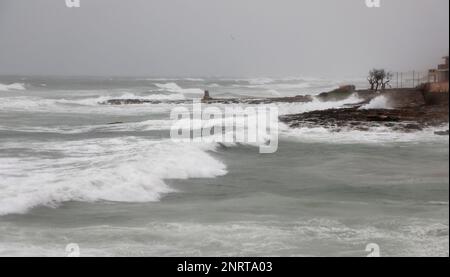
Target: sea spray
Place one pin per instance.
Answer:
(379, 102)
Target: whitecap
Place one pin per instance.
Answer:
(118, 169)
(14, 86)
(374, 135)
(379, 102)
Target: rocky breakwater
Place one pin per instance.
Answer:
(207, 99)
(139, 102)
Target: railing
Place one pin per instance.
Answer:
(409, 79)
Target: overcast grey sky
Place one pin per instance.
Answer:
(220, 37)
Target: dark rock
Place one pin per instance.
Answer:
(209, 100)
(257, 101)
(442, 133)
(138, 101)
(413, 127)
(381, 118)
(338, 94)
(360, 128)
(405, 119)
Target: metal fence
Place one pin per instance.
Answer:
(409, 79)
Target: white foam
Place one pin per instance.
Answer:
(86, 105)
(316, 104)
(121, 169)
(375, 135)
(147, 125)
(24, 103)
(14, 86)
(298, 236)
(302, 107)
(101, 99)
(173, 87)
(379, 102)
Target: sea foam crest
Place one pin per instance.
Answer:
(379, 102)
(88, 171)
(14, 86)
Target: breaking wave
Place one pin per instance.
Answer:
(47, 104)
(89, 171)
(374, 135)
(100, 99)
(379, 102)
(14, 86)
(316, 104)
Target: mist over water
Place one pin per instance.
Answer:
(69, 176)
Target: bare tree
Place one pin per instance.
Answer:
(379, 78)
(372, 80)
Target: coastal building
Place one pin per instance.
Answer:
(438, 77)
(441, 73)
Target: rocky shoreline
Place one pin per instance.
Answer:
(410, 109)
(405, 119)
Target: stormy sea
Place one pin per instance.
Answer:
(110, 180)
